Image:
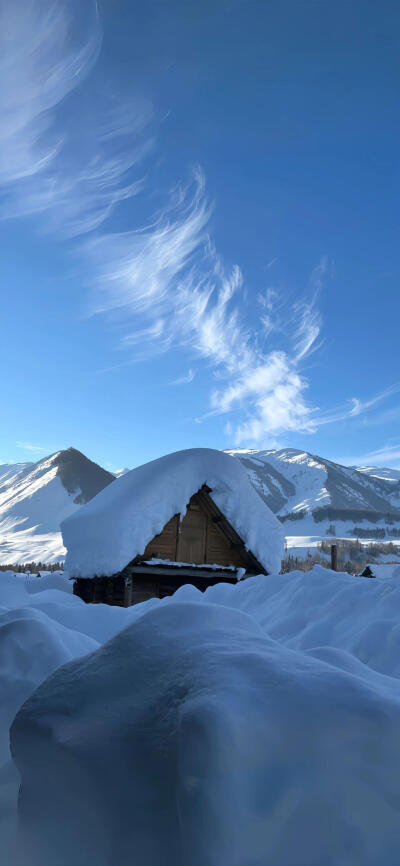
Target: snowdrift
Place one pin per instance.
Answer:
(255, 724)
(108, 532)
(32, 645)
(194, 738)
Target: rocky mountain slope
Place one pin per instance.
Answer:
(36, 497)
(310, 493)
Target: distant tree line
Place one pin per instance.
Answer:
(346, 514)
(33, 567)
(303, 563)
(293, 515)
(381, 532)
(359, 532)
(357, 550)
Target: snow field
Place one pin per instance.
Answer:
(257, 723)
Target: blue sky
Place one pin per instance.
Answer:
(199, 221)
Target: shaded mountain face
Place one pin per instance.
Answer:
(36, 497)
(78, 473)
(295, 483)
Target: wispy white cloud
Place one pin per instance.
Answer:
(171, 289)
(166, 280)
(28, 446)
(388, 455)
(355, 407)
(308, 330)
(185, 379)
(40, 64)
(273, 397)
(72, 172)
(360, 406)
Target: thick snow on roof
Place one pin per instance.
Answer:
(115, 526)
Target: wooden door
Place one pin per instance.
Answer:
(192, 536)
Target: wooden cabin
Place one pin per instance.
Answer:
(381, 570)
(188, 517)
(201, 548)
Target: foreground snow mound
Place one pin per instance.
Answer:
(318, 610)
(32, 646)
(192, 738)
(115, 526)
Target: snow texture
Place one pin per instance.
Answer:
(195, 737)
(33, 502)
(254, 724)
(108, 532)
(32, 645)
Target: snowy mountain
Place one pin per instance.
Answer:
(312, 496)
(36, 497)
(379, 472)
(310, 493)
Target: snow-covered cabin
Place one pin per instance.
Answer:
(381, 569)
(189, 517)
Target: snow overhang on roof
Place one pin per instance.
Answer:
(114, 527)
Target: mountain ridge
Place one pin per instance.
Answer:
(311, 495)
(293, 482)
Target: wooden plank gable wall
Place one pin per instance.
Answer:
(202, 536)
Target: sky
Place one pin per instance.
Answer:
(199, 224)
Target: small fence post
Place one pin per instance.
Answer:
(334, 557)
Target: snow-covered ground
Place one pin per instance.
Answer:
(255, 724)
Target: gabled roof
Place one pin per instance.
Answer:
(113, 528)
(382, 569)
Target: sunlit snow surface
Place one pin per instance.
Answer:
(33, 501)
(256, 724)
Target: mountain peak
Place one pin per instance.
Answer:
(35, 497)
(79, 474)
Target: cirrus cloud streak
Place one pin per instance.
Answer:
(70, 166)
